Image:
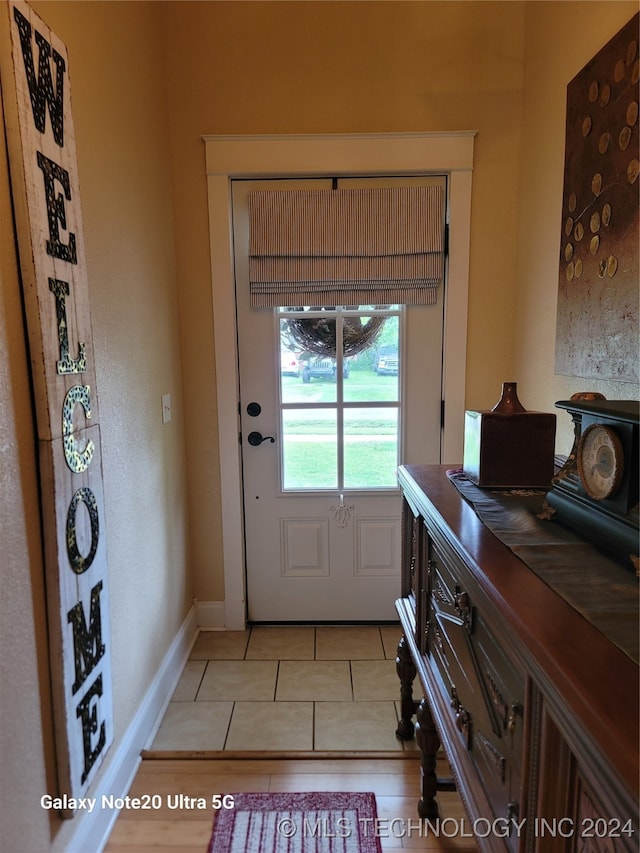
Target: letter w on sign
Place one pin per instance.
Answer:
(36, 103)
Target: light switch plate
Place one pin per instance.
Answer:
(166, 408)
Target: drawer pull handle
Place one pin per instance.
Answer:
(514, 712)
(430, 568)
(462, 717)
(463, 720)
(462, 603)
(513, 814)
(439, 643)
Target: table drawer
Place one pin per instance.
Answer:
(482, 687)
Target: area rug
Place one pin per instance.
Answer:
(331, 822)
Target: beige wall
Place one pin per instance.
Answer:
(552, 60)
(340, 67)
(120, 115)
(148, 81)
(498, 68)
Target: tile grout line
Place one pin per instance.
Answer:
(246, 648)
(228, 731)
(313, 726)
(275, 686)
(353, 692)
(206, 666)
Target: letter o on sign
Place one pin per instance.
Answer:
(80, 564)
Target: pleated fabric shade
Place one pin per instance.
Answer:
(346, 247)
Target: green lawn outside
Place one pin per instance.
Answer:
(362, 386)
(312, 465)
(309, 444)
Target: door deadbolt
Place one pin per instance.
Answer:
(254, 409)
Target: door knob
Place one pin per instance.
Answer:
(255, 439)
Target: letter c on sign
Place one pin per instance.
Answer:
(76, 460)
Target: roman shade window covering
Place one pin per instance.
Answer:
(346, 247)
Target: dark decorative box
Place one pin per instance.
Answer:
(508, 447)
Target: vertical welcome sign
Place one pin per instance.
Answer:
(44, 178)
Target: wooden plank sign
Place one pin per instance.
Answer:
(48, 220)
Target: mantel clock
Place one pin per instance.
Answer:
(596, 491)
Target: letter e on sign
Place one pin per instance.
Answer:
(36, 104)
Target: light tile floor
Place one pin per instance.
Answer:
(288, 688)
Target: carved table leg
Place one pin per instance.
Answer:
(429, 743)
(406, 670)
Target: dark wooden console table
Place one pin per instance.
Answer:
(536, 709)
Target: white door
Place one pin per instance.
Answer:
(321, 438)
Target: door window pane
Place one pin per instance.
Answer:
(374, 373)
(370, 448)
(309, 449)
(306, 376)
(340, 397)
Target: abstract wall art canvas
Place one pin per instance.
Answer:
(597, 317)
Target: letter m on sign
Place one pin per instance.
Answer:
(47, 219)
(87, 643)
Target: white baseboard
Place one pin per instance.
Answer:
(93, 828)
(210, 615)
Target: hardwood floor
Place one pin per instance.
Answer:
(170, 826)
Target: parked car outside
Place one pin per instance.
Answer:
(289, 363)
(387, 360)
(316, 367)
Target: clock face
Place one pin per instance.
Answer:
(600, 460)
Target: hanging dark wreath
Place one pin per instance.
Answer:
(318, 335)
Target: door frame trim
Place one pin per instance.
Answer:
(325, 155)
